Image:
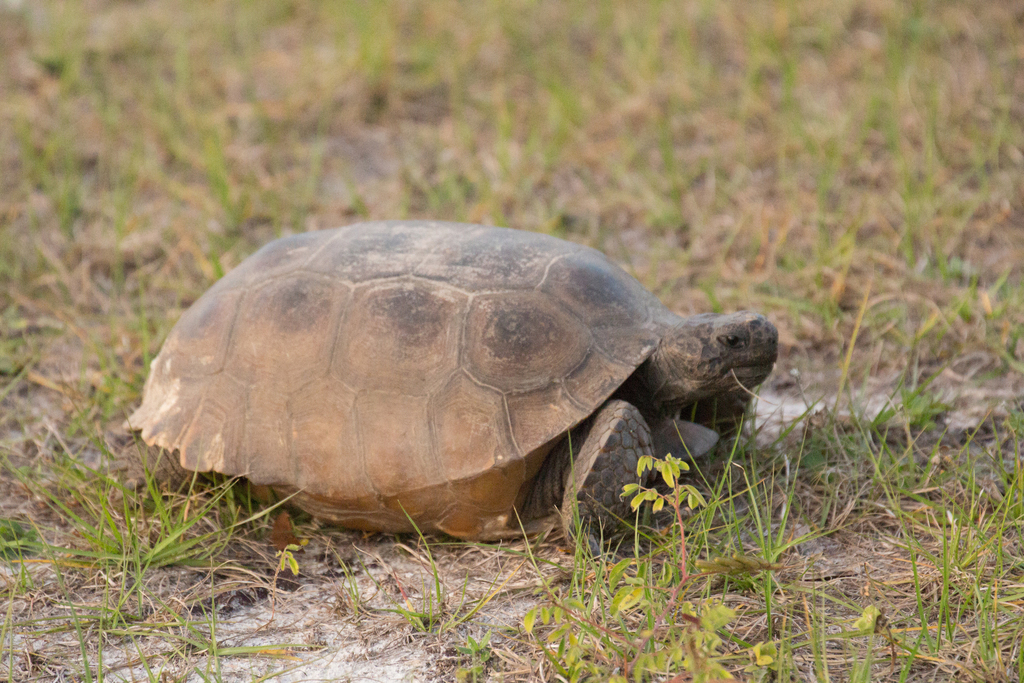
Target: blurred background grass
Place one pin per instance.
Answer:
(792, 157)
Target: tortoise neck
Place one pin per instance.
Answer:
(639, 389)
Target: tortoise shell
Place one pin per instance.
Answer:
(398, 372)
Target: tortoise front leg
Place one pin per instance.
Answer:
(602, 463)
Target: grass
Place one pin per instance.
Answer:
(853, 169)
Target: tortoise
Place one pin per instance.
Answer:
(449, 377)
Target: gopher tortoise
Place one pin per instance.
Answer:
(456, 378)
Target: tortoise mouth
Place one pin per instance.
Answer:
(749, 376)
(735, 382)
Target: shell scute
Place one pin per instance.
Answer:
(326, 454)
(625, 318)
(210, 441)
(277, 258)
(393, 429)
(376, 251)
(198, 344)
(469, 420)
(285, 330)
(488, 259)
(518, 341)
(400, 333)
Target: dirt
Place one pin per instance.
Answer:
(327, 623)
(345, 623)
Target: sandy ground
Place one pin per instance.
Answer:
(340, 618)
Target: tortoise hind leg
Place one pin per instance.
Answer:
(136, 459)
(602, 463)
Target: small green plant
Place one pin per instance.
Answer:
(577, 645)
(702, 646)
(479, 653)
(668, 470)
(631, 621)
(15, 539)
(922, 408)
(763, 661)
(919, 406)
(286, 559)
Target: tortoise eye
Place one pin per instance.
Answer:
(733, 341)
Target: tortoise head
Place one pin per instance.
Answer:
(712, 355)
